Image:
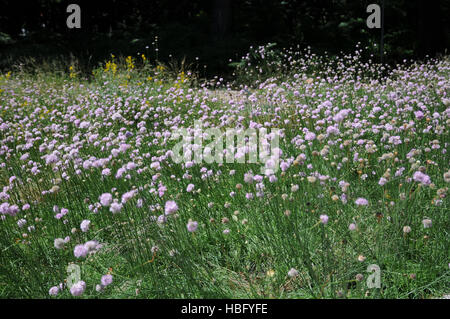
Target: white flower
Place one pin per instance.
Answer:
(293, 272)
(427, 223)
(59, 243)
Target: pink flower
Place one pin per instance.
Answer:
(78, 288)
(131, 166)
(115, 208)
(53, 291)
(161, 219)
(92, 246)
(324, 219)
(170, 207)
(422, 178)
(419, 115)
(21, 222)
(120, 172)
(310, 136)
(106, 280)
(128, 195)
(84, 226)
(248, 178)
(51, 158)
(382, 181)
(361, 202)
(80, 251)
(106, 199)
(192, 226)
(339, 117)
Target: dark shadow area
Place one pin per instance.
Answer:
(214, 31)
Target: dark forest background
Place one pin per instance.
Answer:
(216, 30)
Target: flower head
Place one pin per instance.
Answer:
(422, 178)
(427, 223)
(170, 207)
(293, 272)
(59, 243)
(192, 226)
(53, 291)
(106, 199)
(324, 219)
(106, 280)
(361, 202)
(84, 226)
(80, 251)
(115, 208)
(78, 288)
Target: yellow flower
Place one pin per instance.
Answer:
(182, 77)
(72, 73)
(130, 64)
(110, 66)
(107, 66)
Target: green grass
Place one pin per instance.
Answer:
(268, 235)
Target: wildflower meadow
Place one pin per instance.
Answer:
(122, 183)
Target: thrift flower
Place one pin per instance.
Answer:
(106, 280)
(78, 288)
(324, 219)
(106, 199)
(80, 251)
(192, 226)
(293, 272)
(53, 291)
(361, 202)
(115, 208)
(427, 223)
(84, 226)
(170, 207)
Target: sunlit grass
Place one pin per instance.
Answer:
(242, 248)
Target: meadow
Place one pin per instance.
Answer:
(93, 206)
